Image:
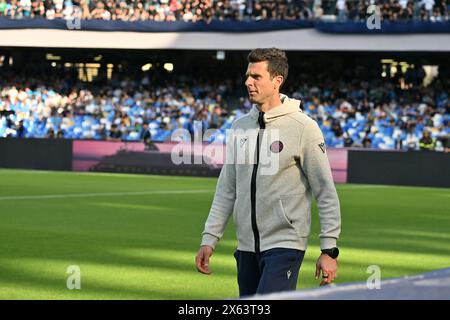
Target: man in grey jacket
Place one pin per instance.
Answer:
(271, 206)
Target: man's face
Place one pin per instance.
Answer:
(261, 88)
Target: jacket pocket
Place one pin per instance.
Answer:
(282, 214)
(294, 213)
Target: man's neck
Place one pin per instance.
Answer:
(272, 103)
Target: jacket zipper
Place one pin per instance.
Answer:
(262, 126)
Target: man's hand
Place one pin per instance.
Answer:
(328, 267)
(202, 259)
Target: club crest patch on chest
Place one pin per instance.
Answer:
(276, 146)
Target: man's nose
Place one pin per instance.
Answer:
(248, 82)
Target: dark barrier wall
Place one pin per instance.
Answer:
(363, 166)
(415, 168)
(386, 27)
(43, 154)
(156, 26)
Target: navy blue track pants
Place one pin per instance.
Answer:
(269, 271)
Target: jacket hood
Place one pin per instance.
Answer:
(287, 106)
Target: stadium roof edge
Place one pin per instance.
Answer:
(295, 40)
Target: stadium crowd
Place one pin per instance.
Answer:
(236, 10)
(351, 113)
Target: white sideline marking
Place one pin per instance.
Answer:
(106, 194)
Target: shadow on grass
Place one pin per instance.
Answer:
(91, 248)
(124, 253)
(54, 288)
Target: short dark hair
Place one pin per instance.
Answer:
(277, 62)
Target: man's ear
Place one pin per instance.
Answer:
(277, 81)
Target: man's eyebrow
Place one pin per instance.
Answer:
(252, 74)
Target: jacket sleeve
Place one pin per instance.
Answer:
(224, 199)
(315, 165)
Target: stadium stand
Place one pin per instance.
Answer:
(235, 10)
(353, 110)
(351, 113)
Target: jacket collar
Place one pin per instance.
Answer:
(287, 106)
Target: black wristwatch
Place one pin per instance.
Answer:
(333, 252)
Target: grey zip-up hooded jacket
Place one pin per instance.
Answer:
(269, 195)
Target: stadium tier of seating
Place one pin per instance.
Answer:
(236, 10)
(364, 113)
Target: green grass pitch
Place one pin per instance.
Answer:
(136, 236)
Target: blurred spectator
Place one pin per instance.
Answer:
(427, 142)
(115, 134)
(348, 141)
(428, 6)
(146, 136)
(60, 134)
(411, 142)
(341, 7)
(21, 131)
(51, 134)
(367, 142)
